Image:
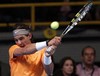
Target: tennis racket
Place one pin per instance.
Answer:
(78, 17)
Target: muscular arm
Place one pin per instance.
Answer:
(49, 69)
(47, 60)
(32, 48)
(28, 49)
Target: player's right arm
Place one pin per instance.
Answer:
(32, 48)
(28, 49)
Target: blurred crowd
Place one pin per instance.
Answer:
(87, 66)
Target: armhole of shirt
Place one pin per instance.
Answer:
(11, 51)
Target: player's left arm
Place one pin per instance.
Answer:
(47, 60)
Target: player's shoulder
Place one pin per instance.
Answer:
(13, 46)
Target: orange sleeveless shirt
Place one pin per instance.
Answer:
(26, 65)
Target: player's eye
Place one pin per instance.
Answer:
(21, 38)
(15, 40)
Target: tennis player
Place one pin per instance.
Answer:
(31, 59)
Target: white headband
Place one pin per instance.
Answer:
(20, 32)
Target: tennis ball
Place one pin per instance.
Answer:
(54, 25)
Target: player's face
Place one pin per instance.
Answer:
(68, 67)
(88, 56)
(22, 40)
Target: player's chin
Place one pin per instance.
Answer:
(21, 46)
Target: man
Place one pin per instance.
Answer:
(87, 67)
(31, 59)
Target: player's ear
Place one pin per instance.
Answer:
(30, 35)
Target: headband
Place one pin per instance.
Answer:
(20, 32)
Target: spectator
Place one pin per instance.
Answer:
(67, 67)
(87, 67)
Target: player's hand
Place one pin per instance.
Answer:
(55, 41)
(50, 51)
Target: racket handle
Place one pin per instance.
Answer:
(61, 36)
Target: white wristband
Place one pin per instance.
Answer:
(47, 60)
(40, 45)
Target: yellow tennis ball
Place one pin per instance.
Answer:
(54, 25)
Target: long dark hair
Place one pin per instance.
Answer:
(74, 64)
(59, 72)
